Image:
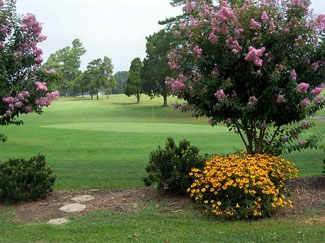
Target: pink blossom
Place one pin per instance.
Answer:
(321, 21)
(302, 143)
(293, 75)
(9, 112)
(1, 3)
(198, 50)
(255, 25)
(284, 139)
(229, 121)
(2, 44)
(303, 88)
(254, 56)
(220, 94)
(174, 65)
(24, 27)
(213, 38)
(18, 104)
(28, 109)
(280, 99)
(317, 91)
(252, 100)
(315, 66)
(17, 54)
(305, 101)
(212, 122)
(318, 100)
(225, 13)
(38, 51)
(272, 26)
(42, 38)
(50, 71)
(305, 124)
(41, 102)
(38, 60)
(237, 32)
(190, 6)
(265, 17)
(41, 86)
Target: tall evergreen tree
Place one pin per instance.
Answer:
(155, 65)
(134, 83)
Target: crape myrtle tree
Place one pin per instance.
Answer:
(24, 86)
(134, 81)
(257, 66)
(155, 65)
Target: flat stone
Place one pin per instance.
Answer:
(72, 208)
(83, 198)
(59, 221)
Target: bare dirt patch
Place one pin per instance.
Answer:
(308, 195)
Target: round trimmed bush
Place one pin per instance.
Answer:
(22, 179)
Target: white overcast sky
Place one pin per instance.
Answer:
(113, 28)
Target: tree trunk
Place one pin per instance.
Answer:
(82, 94)
(97, 95)
(138, 99)
(165, 100)
(91, 95)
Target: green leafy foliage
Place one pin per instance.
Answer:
(120, 78)
(66, 62)
(22, 179)
(170, 167)
(134, 83)
(155, 65)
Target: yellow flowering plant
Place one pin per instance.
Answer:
(242, 186)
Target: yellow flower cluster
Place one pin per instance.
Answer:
(242, 185)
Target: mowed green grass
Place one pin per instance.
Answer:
(151, 226)
(106, 143)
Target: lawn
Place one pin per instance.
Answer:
(106, 143)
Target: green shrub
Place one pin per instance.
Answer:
(22, 179)
(170, 167)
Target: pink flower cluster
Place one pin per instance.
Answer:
(16, 102)
(255, 25)
(225, 13)
(176, 85)
(254, 56)
(190, 6)
(293, 75)
(30, 23)
(220, 94)
(303, 88)
(265, 17)
(41, 86)
(321, 21)
(280, 99)
(198, 50)
(317, 91)
(47, 100)
(305, 102)
(252, 100)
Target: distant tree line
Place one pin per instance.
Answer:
(144, 76)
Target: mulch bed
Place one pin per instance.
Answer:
(308, 195)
